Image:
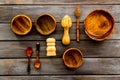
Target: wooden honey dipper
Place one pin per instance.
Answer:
(77, 14)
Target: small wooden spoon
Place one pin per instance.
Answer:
(29, 52)
(37, 62)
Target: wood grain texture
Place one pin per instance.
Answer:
(50, 67)
(59, 2)
(75, 77)
(21, 24)
(58, 11)
(102, 59)
(110, 48)
(7, 34)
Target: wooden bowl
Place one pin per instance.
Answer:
(45, 24)
(99, 25)
(21, 24)
(100, 38)
(72, 58)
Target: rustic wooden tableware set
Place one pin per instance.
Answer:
(98, 25)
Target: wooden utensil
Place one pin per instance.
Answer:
(21, 24)
(45, 24)
(37, 61)
(66, 24)
(77, 14)
(51, 49)
(29, 52)
(99, 25)
(72, 58)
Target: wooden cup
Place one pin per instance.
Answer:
(45, 24)
(72, 58)
(21, 24)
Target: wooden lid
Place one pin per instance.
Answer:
(21, 24)
(45, 24)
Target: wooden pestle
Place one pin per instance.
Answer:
(66, 24)
(77, 14)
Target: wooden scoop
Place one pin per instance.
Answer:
(66, 24)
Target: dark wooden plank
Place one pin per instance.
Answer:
(59, 2)
(110, 48)
(50, 67)
(57, 10)
(76, 77)
(7, 34)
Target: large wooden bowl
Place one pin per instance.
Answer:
(45, 24)
(72, 58)
(99, 25)
(21, 24)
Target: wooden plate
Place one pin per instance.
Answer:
(99, 23)
(45, 24)
(100, 38)
(21, 24)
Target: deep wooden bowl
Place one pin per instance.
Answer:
(45, 24)
(21, 24)
(99, 25)
(72, 58)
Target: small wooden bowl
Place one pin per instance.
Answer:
(72, 58)
(21, 24)
(99, 25)
(45, 24)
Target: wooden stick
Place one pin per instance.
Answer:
(77, 14)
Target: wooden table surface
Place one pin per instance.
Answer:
(101, 59)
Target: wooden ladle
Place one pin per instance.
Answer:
(29, 52)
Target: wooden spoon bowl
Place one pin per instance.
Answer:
(21, 24)
(45, 24)
(99, 25)
(72, 58)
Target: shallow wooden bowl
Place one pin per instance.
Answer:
(101, 38)
(45, 24)
(72, 58)
(99, 25)
(21, 24)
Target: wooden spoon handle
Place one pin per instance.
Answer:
(77, 30)
(28, 68)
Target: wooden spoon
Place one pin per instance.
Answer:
(29, 52)
(37, 62)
